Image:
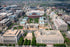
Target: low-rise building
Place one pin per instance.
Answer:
(5, 23)
(31, 26)
(19, 13)
(34, 13)
(13, 18)
(3, 16)
(24, 21)
(60, 24)
(68, 34)
(1, 38)
(49, 37)
(66, 18)
(41, 21)
(11, 36)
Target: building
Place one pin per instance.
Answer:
(41, 21)
(48, 11)
(3, 16)
(68, 34)
(13, 18)
(31, 26)
(19, 13)
(34, 13)
(53, 15)
(49, 37)
(11, 36)
(24, 21)
(1, 38)
(28, 36)
(60, 24)
(4, 24)
(66, 18)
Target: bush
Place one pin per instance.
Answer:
(15, 27)
(46, 29)
(60, 45)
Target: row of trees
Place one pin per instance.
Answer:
(27, 42)
(20, 41)
(33, 43)
(33, 39)
(59, 45)
(7, 44)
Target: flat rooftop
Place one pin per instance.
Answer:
(4, 20)
(3, 13)
(11, 33)
(60, 22)
(48, 34)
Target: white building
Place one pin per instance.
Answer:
(34, 13)
(5, 23)
(41, 21)
(68, 34)
(31, 26)
(60, 24)
(49, 37)
(11, 36)
(24, 21)
(3, 15)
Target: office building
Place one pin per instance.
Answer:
(11, 36)
(49, 37)
(60, 24)
(4, 24)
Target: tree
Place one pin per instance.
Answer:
(29, 41)
(15, 27)
(10, 44)
(13, 44)
(25, 33)
(25, 42)
(33, 39)
(20, 42)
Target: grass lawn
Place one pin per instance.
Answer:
(35, 20)
(19, 27)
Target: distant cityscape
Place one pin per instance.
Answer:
(34, 23)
